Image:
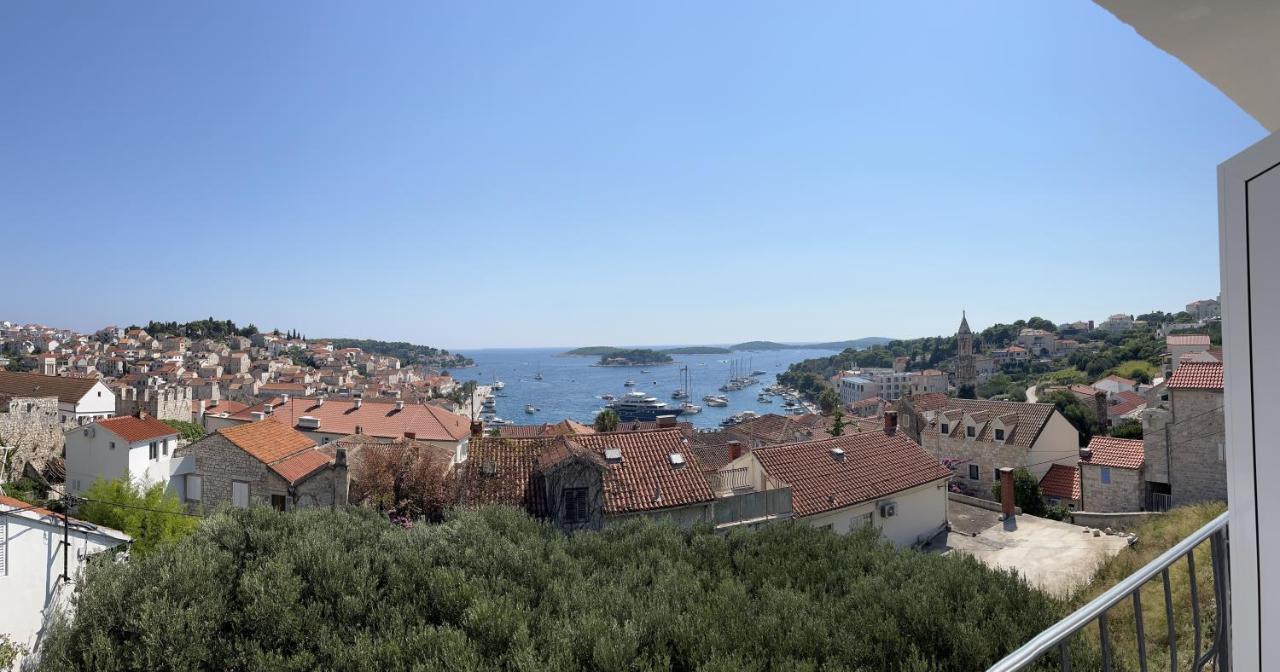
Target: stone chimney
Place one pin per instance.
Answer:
(1006, 492)
(890, 422)
(341, 478)
(1100, 407)
(666, 420)
(477, 429)
(735, 450)
(411, 435)
(1086, 452)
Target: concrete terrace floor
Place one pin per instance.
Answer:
(1055, 557)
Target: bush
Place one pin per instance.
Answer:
(188, 431)
(1026, 493)
(496, 590)
(149, 515)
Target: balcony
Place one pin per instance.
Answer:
(1065, 643)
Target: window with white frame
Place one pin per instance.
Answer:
(153, 451)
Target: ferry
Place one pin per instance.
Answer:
(640, 406)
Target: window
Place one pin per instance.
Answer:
(1106, 475)
(113, 445)
(946, 429)
(277, 502)
(865, 520)
(973, 472)
(995, 474)
(194, 484)
(574, 505)
(153, 451)
(240, 494)
(971, 431)
(164, 447)
(999, 434)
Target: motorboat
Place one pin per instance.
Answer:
(531, 409)
(715, 400)
(690, 408)
(607, 397)
(629, 383)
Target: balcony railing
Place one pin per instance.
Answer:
(1055, 640)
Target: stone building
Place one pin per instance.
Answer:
(171, 402)
(966, 371)
(1112, 475)
(30, 430)
(1184, 438)
(259, 464)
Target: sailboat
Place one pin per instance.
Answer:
(688, 406)
(538, 375)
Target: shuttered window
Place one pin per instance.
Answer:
(574, 505)
(193, 487)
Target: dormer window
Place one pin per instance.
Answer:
(999, 434)
(971, 431)
(946, 429)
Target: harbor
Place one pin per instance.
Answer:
(529, 386)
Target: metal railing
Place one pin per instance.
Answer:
(1059, 635)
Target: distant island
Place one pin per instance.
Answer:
(637, 357)
(856, 344)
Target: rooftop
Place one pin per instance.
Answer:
(1197, 376)
(132, 428)
(1107, 451)
(379, 418)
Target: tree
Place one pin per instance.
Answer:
(494, 589)
(407, 480)
(606, 420)
(828, 400)
(1026, 493)
(1127, 429)
(9, 652)
(966, 391)
(188, 431)
(837, 426)
(1080, 415)
(149, 515)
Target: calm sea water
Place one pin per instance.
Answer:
(571, 387)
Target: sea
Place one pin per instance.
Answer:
(571, 387)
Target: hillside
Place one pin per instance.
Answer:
(407, 353)
(497, 590)
(856, 344)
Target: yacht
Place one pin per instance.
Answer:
(716, 400)
(641, 406)
(690, 408)
(498, 384)
(607, 397)
(497, 421)
(758, 372)
(679, 394)
(764, 399)
(629, 383)
(531, 409)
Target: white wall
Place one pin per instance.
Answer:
(921, 513)
(1058, 443)
(89, 454)
(98, 403)
(33, 564)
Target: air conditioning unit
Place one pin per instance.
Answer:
(888, 509)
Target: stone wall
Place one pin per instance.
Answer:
(987, 455)
(30, 425)
(1117, 521)
(1197, 465)
(1124, 493)
(219, 462)
(167, 403)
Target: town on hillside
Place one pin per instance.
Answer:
(1079, 431)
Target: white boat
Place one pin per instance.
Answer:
(531, 409)
(679, 394)
(690, 408)
(607, 397)
(497, 421)
(764, 399)
(715, 400)
(629, 383)
(641, 406)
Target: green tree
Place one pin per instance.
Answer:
(188, 431)
(1080, 415)
(966, 392)
(1127, 429)
(606, 420)
(9, 652)
(149, 515)
(828, 400)
(497, 590)
(1026, 493)
(837, 426)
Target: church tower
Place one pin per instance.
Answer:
(966, 371)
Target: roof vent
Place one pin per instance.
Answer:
(284, 398)
(359, 402)
(657, 494)
(399, 405)
(489, 468)
(613, 455)
(266, 408)
(258, 415)
(359, 429)
(837, 454)
(676, 459)
(309, 422)
(320, 400)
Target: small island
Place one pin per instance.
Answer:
(638, 357)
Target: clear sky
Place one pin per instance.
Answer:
(470, 174)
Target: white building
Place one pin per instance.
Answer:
(138, 447)
(80, 400)
(1184, 344)
(32, 561)
(887, 383)
(1118, 322)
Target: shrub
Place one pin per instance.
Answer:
(149, 515)
(188, 431)
(496, 590)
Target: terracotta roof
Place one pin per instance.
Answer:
(875, 465)
(930, 401)
(1197, 376)
(649, 425)
(223, 406)
(268, 441)
(297, 467)
(565, 427)
(501, 471)
(1061, 481)
(1126, 402)
(133, 429)
(67, 390)
(379, 418)
(1187, 339)
(869, 401)
(772, 428)
(1084, 390)
(1031, 419)
(1108, 451)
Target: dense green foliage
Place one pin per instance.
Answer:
(496, 590)
(9, 651)
(606, 420)
(1026, 493)
(634, 357)
(188, 431)
(407, 353)
(149, 515)
(300, 357)
(828, 400)
(1127, 429)
(1081, 415)
(208, 328)
(698, 350)
(592, 351)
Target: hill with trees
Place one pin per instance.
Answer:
(496, 590)
(636, 357)
(407, 353)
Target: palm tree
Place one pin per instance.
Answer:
(606, 420)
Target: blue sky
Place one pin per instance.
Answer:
(563, 173)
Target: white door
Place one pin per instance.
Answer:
(240, 494)
(1249, 229)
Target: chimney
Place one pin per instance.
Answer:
(477, 429)
(1086, 452)
(203, 407)
(320, 400)
(890, 422)
(1006, 492)
(258, 415)
(359, 402)
(666, 420)
(284, 398)
(359, 429)
(341, 478)
(1100, 407)
(735, 450)
(399, 405)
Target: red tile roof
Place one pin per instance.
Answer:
(268, 441)
(1187, 339)
(501, 471)
(297, 467)
(1061, 481)
(67, 390)
(563, 428)
(930, 401)
(1197, 376)
(1125, 402)
(646, 480)
(379, 418)
(133, 429)
(1108, 451)
(223, 406)
(875, 465)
